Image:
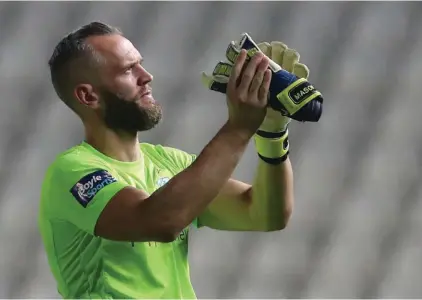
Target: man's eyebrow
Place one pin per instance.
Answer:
(131, 63)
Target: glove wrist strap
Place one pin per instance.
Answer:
(272, 147)
(270, 135)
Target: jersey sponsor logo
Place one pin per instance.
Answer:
(89, 185)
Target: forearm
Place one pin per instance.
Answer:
(272, 191)
(186, 195)
(272, 195)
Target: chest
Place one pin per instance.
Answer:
(147, 179)
(147, 251)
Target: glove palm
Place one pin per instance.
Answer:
(287, 59)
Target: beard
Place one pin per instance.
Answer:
(128, 116)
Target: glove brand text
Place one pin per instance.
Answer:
(301, 92)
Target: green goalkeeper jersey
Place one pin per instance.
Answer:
(76, 188)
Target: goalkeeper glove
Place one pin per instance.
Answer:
(292, 96)
(271, 139)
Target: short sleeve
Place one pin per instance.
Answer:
(77, 190)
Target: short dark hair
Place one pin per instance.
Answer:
(71, 48)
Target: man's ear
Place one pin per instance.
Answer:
(85, 95)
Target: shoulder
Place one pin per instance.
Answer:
(77, 173)
(74, 159)
(70, 166)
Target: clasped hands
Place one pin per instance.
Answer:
(290, 94)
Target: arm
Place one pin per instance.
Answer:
(268, 204)
(132, 215)
(82, 190)
(265, 206)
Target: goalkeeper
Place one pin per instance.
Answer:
(115, 213)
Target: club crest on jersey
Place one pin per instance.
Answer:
(89, 185)
(164, 176)
(162, 181)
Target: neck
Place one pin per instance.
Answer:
(122, 146)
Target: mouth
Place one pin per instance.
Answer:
(146, 97)
(146, 93)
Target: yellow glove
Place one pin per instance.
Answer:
(271, 139)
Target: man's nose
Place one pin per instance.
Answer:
(145, 77)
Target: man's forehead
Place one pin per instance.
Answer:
(116, 49)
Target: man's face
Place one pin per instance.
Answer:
(125, 94)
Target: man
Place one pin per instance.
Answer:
(114, 213)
